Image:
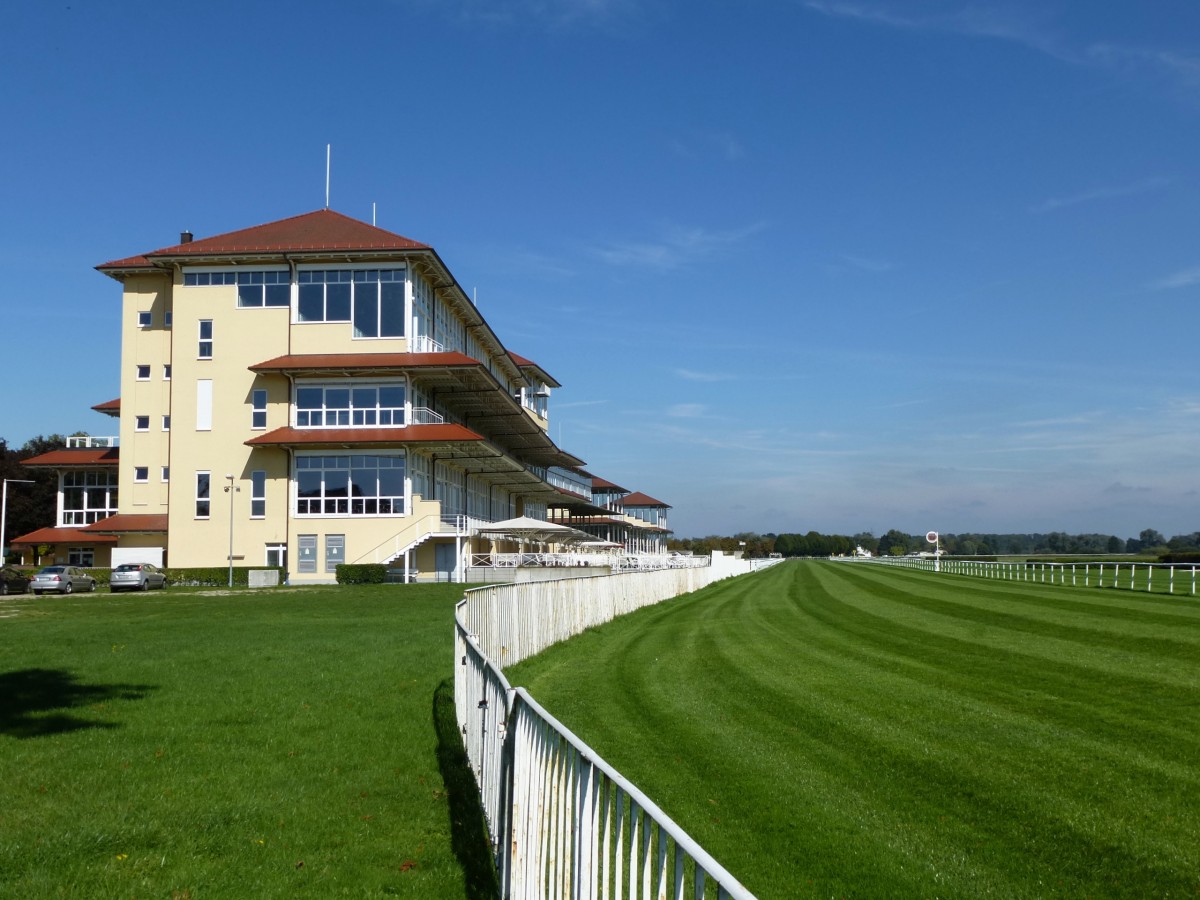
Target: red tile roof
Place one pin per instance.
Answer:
(63, 536)
(316, 231)
(602, 484)
(109, 407)
(90, 456)
(129, 523)
(294, 362)
(524, 363)
(409, 434)
(640, 499)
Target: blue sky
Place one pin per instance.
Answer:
(843, 266)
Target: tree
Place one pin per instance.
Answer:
(894, 543)
(30, 506)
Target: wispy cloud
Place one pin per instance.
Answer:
(678, 247)
(1181, 279)
(1110, 192)
(692, 375)
(974, 20)
(547, 13)
(687, 410)
(866, 264)
(1020, 27)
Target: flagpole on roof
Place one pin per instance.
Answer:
(327, 155)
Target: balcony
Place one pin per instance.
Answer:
(91, 441)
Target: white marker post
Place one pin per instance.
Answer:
(932, 537)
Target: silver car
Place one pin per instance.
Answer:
(62, 580)
(136, 577)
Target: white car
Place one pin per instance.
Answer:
(136, 577)
(62, 580)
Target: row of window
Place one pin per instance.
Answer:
(373, 299)
(143, 372)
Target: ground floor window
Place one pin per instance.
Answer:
(81, 556)
(277, 555)
(335, 552)
(308, 553)
(356, 484)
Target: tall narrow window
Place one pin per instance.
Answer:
(204, 404)
(167, 372)
(258, 494)
(166, 423)
(203, 499)
(258, 415)
(166, 473)
(205, 347)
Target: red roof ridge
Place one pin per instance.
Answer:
(322, 229)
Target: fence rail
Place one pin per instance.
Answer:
(563, 822)
(1163, 578)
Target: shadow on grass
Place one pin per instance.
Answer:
(468, 830)
(33, 701)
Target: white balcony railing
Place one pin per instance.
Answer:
(420, 343)
(87, 441)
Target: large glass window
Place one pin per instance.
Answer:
(354, 405)
(350, 485)
(373, 299)
(88, 497)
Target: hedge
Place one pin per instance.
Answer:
(361, 573)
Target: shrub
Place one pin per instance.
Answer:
(361, 573)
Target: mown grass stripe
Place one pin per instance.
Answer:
(831, 729)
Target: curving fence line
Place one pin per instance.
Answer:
(564, 823)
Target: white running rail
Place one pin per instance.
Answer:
(563, 822)
(1131, 576)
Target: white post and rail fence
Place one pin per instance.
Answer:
(563, 823)
(1162, 578)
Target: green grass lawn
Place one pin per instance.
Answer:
(832, 729)
(289, 743)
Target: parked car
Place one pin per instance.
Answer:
(62, 580)
(136, 577)
(12, 581)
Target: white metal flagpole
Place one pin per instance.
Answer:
(933, 538)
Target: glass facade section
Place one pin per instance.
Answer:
(357, 484)
(350, 406)
(373, 299)
(88, 497)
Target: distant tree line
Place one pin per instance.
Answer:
(30, 506)
(896, 543)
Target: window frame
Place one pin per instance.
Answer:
(258, 494)
(349, 415)
(355, 305)
(335, 494)
(203, 495)
(204, 342)
(258, 409)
